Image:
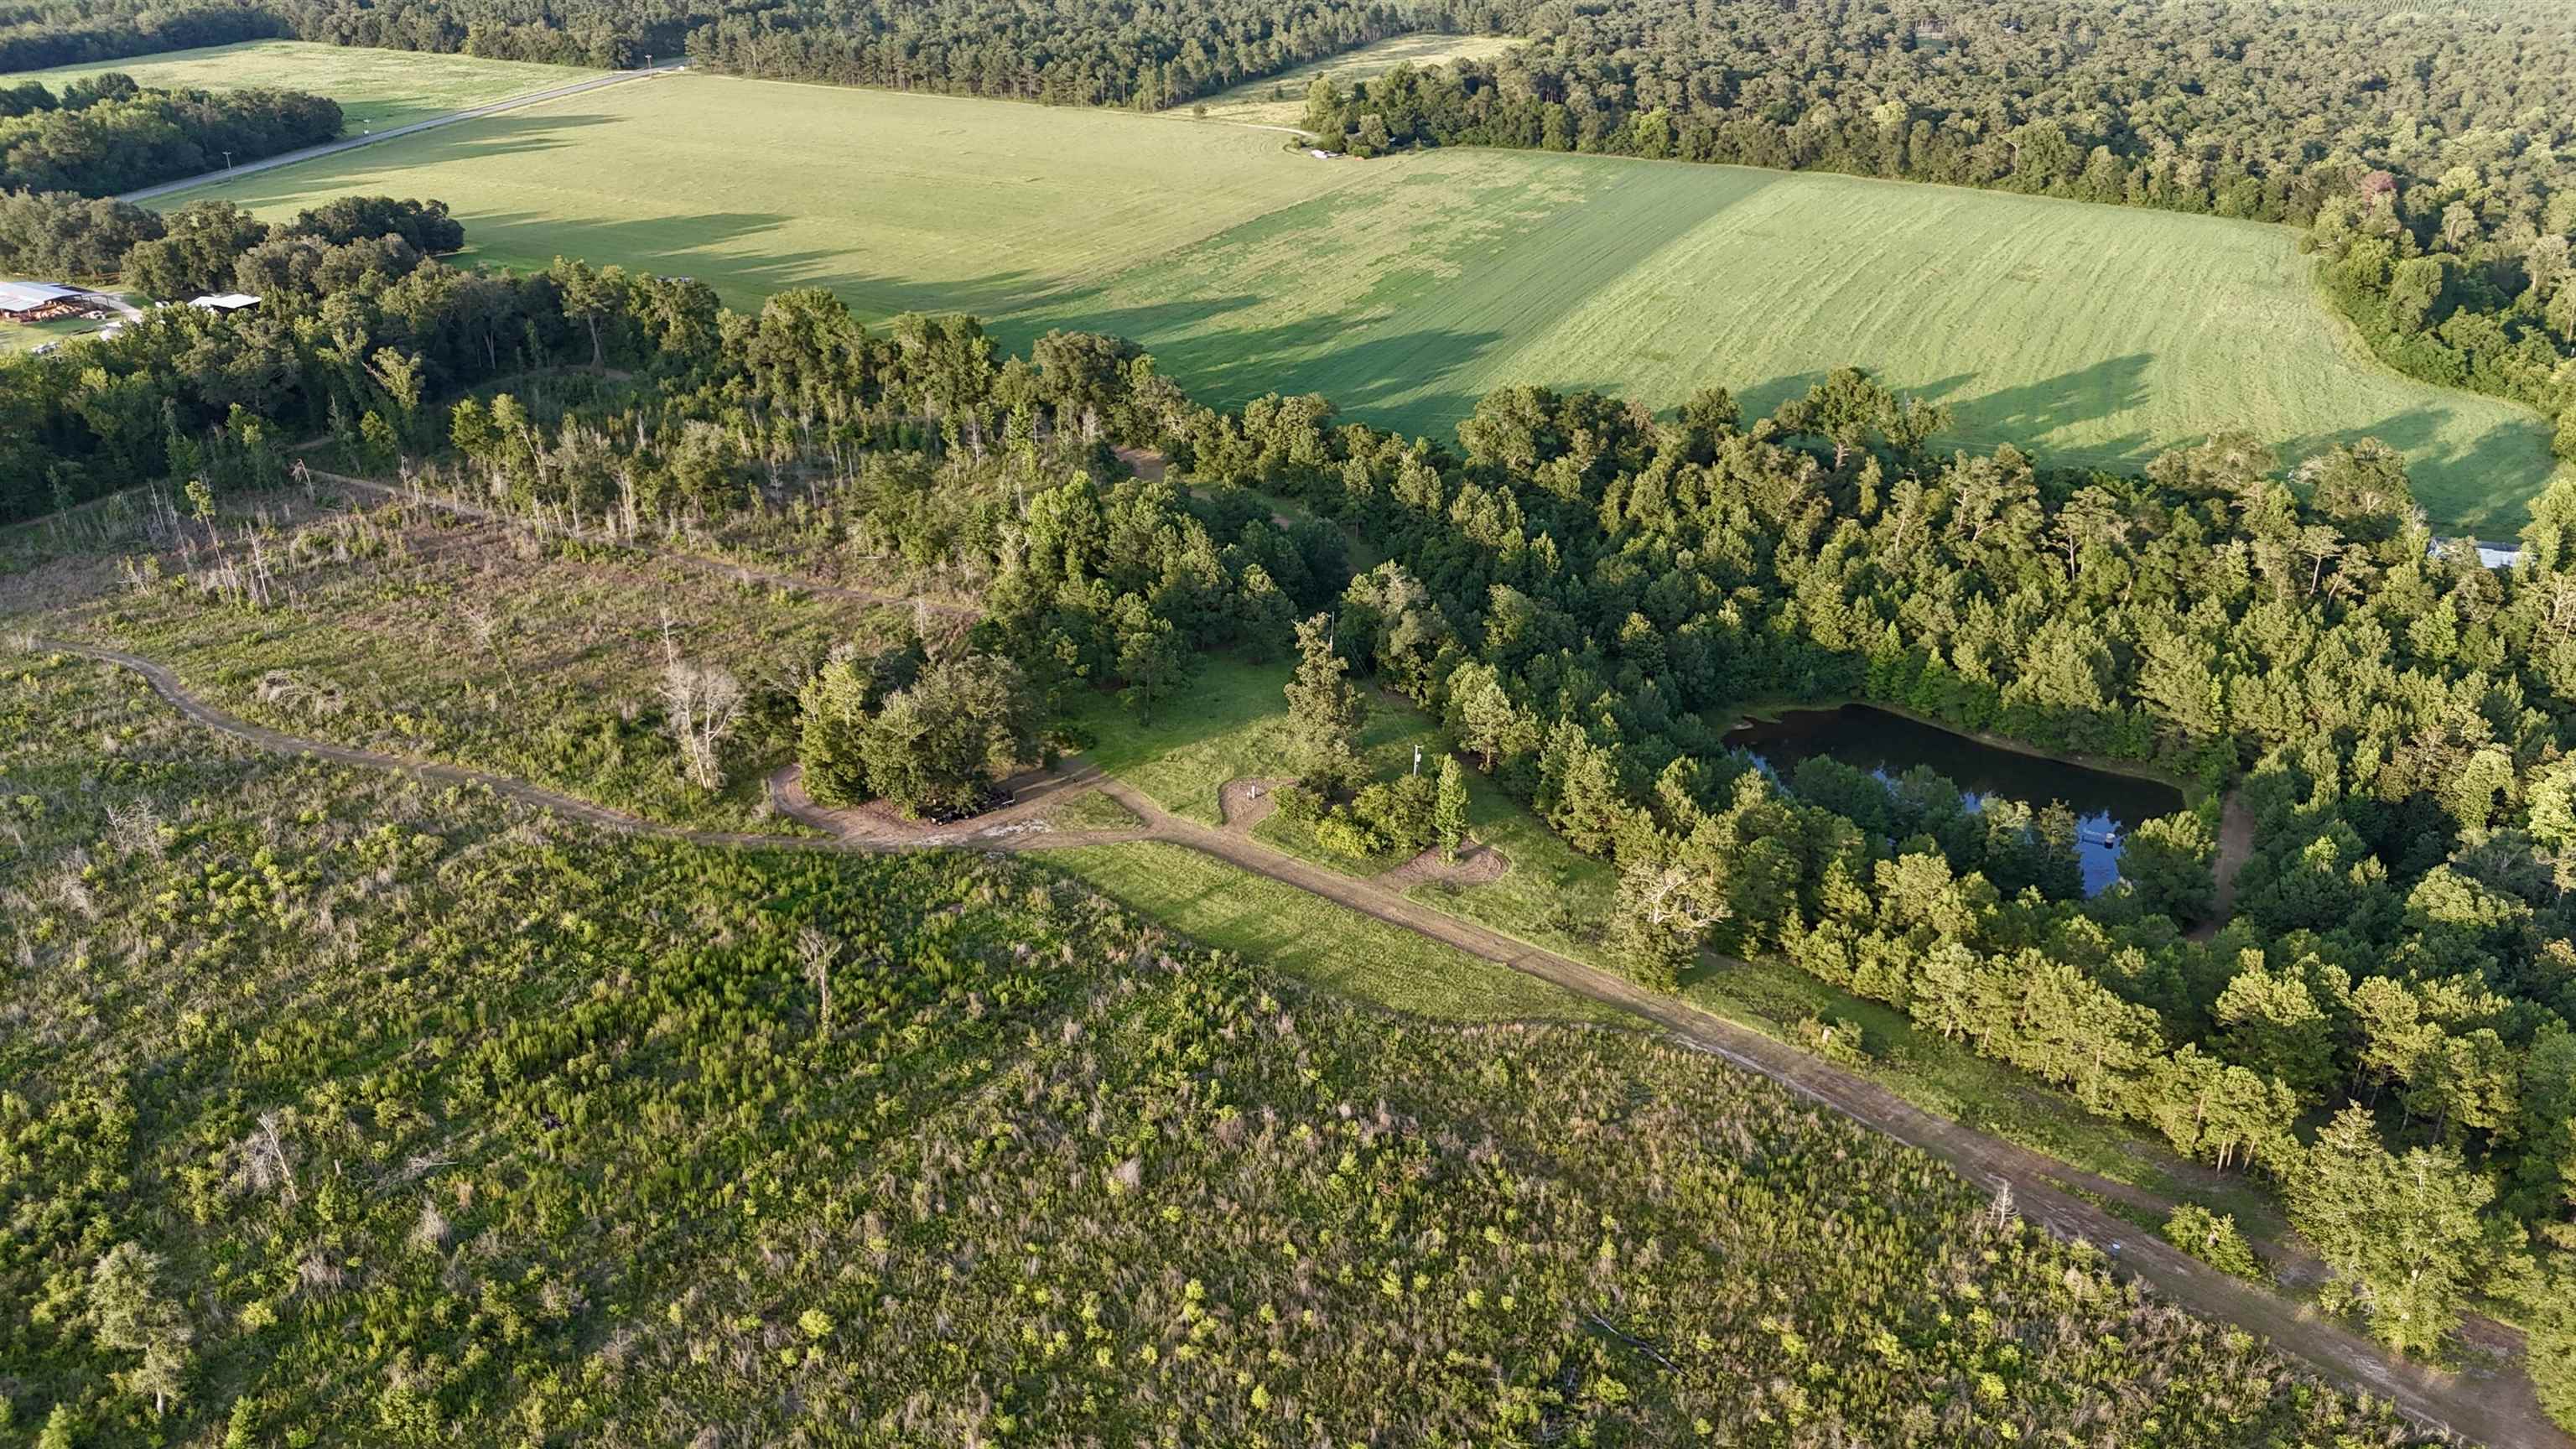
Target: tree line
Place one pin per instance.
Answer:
(604, 33)
(1141, 53)
(40, 34)
(1144, 55)
(104, 134)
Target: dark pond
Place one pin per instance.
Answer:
(2108, 806)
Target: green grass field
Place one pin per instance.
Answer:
(18, 338)
(1406, 288)
(1286, 929)
(375, 88)
(1232, 724)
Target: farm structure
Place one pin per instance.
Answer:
(45, 302)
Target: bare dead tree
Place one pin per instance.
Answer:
(703, 704)
(136, 828)
(820, 951)
(1671, 897)
(265, 1163)
(491, 631)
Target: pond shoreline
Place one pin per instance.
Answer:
(2193, 789)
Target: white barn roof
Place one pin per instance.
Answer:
(28, 296)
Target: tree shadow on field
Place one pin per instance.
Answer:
(2480, 486)
(1408, 380)
(2028, 413)
(707, 246)
(492, 137)
(2023, 415)
(1154, 326)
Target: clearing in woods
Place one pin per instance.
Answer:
(1280, 100)
(1405, 288)
(376, 89)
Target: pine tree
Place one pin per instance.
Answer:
(1324, 710)
(2401, 1232)
(128, 1315)
(1449, 808)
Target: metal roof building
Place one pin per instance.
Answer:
(25, 299)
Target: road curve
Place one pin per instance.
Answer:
(2500, 1411)
(351, 143)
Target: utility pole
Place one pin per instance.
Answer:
(228, 160)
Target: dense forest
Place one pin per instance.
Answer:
(725, 1148)
(105, 134)
(36, 34)
(2428, 154)
(1147, 55)
(1142, 53)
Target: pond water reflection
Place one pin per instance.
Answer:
(2107, 806)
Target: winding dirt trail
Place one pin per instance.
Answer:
(2499, 1410)
(2235, 847)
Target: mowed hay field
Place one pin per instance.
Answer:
(1403, 289)
(375, 88)
(898, 202)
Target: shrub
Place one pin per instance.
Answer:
(2213, 1238)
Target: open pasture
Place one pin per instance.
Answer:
(1406, 288)
(375, 88)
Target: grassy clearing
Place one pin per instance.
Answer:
(375, 88)
(1092, 810)
(1232, 724)
(1406, 288)
(1281, 100)
(1285, 928)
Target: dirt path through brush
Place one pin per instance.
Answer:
(2498, 1410)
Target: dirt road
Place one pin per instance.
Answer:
(2499, 1411)
(351, 143)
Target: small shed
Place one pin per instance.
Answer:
(224, 302)
(42, 301)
